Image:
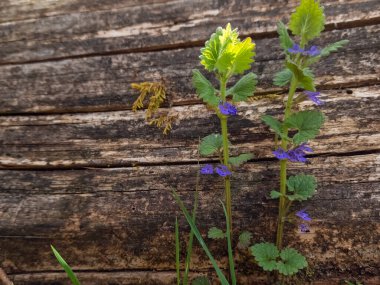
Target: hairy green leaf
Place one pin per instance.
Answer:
(200, 280)
(201, 241)
(204, 88)
(291, 262)
(285, 41)
(211, 52)
(244, 53)
(307, 123)
(239, 160)
(333, 47)
(244, 88)
(74, 280)
(226, 54)
(303, 78)
(274, 124)
(303, 187)
(266, 255)
(245, 239)
(215, 233)
(308, 21)
(282, 77)
(275, 194)
(210, 144)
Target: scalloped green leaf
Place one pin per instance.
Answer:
(304, 78)
(274, 124)
(308, 21)
(215, 233)
(226, 54)
(204, 89)
(282, 77)
(333, 47)
(308, 124)
(291, 262)
(302, 186)
(275, 194)
(210, 144)
(266, 255)
(239, 160)
(285, 41)
(245, 239)
(244, 88)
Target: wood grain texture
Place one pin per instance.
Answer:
(112, 219)
(80, 170)
(103, 82)
(124, 138)
(154, 25)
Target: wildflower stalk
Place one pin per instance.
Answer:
(283, 165)
(226, 156)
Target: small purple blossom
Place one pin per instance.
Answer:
(281, 154)
(296, 49)
(303, 215)
(313, 51)
(295, 155)
(313, 96)
(207, 169)
(227, 109)
(222, 170)
(304, 228)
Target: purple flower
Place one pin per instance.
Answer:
(227, 109)
(296, 49)
(313, 96)
(295, 155)
(313, 51)
(303, 215)
(281, 154)
(207, 169)
(304, 228)
(222, 170)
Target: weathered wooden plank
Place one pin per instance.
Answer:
(16, 10)
(123, 137)
(120, 212)
(155, 278)
(174, 23)
(103, 83)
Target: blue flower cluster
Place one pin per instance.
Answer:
(222, 170)
(295, 155)
(296, 49)
(313, 96)
(227, 109)
(304, 228)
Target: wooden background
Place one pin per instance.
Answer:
(80, 170)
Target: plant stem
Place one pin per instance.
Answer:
(226, 154)
(283, 165)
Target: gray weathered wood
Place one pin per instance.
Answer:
(103, 83)
(123, 138)
(153, 26)
(113, 219)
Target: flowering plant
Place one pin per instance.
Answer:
(306, 23)
(225, 55)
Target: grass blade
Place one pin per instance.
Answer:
(177, 252)
(229, 244)
(197, 234)
(65, 266)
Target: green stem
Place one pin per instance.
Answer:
(283, 166)
(227, 184)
